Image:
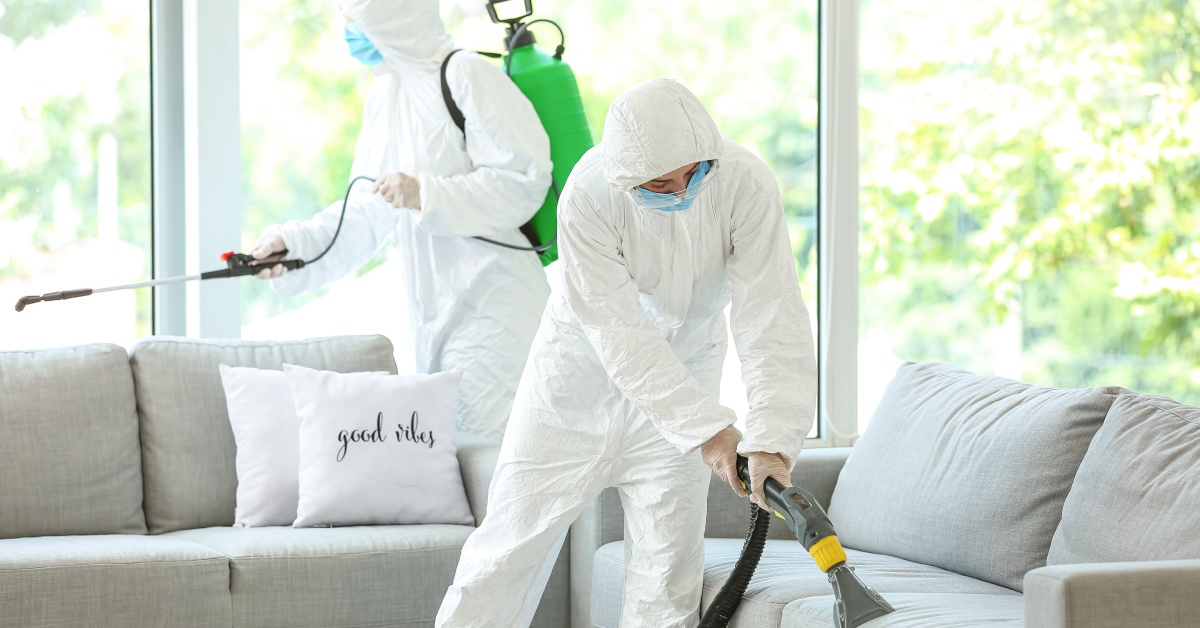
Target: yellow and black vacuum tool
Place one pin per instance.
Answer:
(854, 602)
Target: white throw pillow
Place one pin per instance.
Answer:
(377, 449)
(267, 432)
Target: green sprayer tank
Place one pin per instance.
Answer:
(549, 83)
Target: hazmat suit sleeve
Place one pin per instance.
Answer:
(601, 292)
(368, 224)
(508, 148)
(770, 324)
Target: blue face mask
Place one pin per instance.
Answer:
(361, 48)
(678, 201)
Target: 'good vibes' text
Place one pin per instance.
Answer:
(404, 433)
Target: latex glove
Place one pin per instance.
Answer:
(720, 453)
(399, 189)
(763, 465)
(268, 244)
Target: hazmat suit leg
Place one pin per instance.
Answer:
(664, 495)
(539, 488)
(545, 476)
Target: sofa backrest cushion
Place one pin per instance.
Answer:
(1137, 493)
(188, 450)
(69, 456)
(965, 472)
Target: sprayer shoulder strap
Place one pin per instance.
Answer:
(455, 113)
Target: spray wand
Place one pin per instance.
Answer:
(236, 265)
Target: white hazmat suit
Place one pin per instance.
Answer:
(622, 382)
(474, 306)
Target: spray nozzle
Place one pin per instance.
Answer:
(513, 22)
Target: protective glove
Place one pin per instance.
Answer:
(720, 453)
(268, 243)
(399, 189)
(763, 465)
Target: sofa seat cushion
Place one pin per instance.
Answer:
(69, 453)
(112, 580)
(1136, 494)
(920, 610)
(966, 472)
(785, 574)
(329, 577)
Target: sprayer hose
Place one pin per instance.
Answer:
(730, 596)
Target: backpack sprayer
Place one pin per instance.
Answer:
(550, 85)
(854, 602)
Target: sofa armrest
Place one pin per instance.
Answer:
(477, 462)
(816, 471)
(1158, 594)
(600, 523)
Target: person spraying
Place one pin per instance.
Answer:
(473, 306)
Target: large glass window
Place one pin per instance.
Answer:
(74, 169)
(754, 65)
(1029, 191)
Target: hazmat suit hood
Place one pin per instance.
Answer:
(654, 128)
(408, 33)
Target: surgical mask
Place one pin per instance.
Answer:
(677, 201)
(361, 48)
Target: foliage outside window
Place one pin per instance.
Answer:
(1029, 191)
(74, 168)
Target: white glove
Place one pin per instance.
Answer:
(399, 189)
(268, 244)
(763, 465)
(720, 453)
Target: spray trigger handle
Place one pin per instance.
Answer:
(242, 264)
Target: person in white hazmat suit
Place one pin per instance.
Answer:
(474, 306)
(661, 225)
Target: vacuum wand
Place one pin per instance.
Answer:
(236, 265)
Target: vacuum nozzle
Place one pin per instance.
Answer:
(855, 603)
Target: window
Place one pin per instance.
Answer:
(754, 66)
(1029, 192)
(74, 169)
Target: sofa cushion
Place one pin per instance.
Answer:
(112, 580)
(920, 610)
(329, 577)
(188, 448)
(786, 573)
(965, 472)
(1137, 492)
(69, 454)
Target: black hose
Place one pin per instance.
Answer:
(342, 218)
(729, 597)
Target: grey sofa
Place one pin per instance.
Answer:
(969, 501)
(117, 488)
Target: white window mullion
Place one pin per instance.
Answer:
(838, 236)
(212, 162)
(167, 140)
